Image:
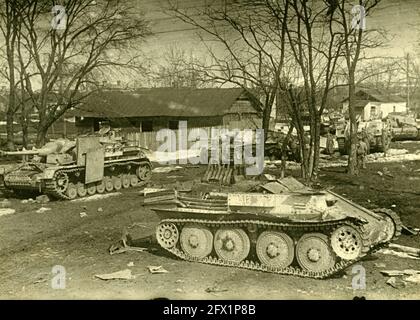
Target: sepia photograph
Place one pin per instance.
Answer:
(209, 150)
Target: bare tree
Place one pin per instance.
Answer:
(176, 68)
(356, 40)
(248, 52)
(10, 22)
(85, 37)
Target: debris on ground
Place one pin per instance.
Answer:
(166, 169)
(5, 203)
(42, 209)
(406, 249)
(6, 211)
(123, 245)
(398, 254)
(83, 214)
(157, 269)
(164, 196)
(215, 289)
(407, 230)
(380, 265)
(119, 275)
(96, 197)
(100, 209)
(268, 177)
(130, 264)
(396, 283)
(42, 199)
(394, 273)
(415, 278)
(145, 191)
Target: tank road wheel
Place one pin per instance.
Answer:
(196, 241)
(144, 172)
(109, 186)
(313, 252)
(231, 244)
(275, 249)
(100, 187)
(61, 182)
(134, 181)
(125, 181)
(116, 181)
(167, 235)
(71, 191)
(347, 242)
(81, 189)
(91, 189)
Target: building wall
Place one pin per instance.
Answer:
(139, 124)
(383, 109)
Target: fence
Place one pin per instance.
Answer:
(149, 139)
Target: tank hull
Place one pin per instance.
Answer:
(274, 233)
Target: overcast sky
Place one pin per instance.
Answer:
(399, 17)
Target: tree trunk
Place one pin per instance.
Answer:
(9, 129)
(24, 126)
(266, 119)
(352, 162)
(316, 147)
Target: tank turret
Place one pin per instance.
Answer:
(67, 169)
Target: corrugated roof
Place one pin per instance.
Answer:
(180, 102)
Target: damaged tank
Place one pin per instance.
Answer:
(66, 169)
(309, 234)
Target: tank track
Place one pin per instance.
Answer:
(51, 189)
(323, 227)
(395, 219)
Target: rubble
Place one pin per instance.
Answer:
(415, 278)
(96, 197)
(398, 254)
(42, 209)
(396, 283)
(157, 269)
(42, 199)
(83, 214)
(119, 275)
(166, 169)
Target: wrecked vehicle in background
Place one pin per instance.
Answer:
(66, 169)
(404, 126)
(372, 128)
(310, 233)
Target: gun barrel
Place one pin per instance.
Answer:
(19, 153)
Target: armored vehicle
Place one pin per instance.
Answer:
(312, 234)
(404, 127)
(66, 169)
(373, 130)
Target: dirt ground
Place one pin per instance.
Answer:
(32, 243)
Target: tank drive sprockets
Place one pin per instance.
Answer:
(307, 234)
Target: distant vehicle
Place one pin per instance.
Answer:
(404, 126)
(374, 130)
